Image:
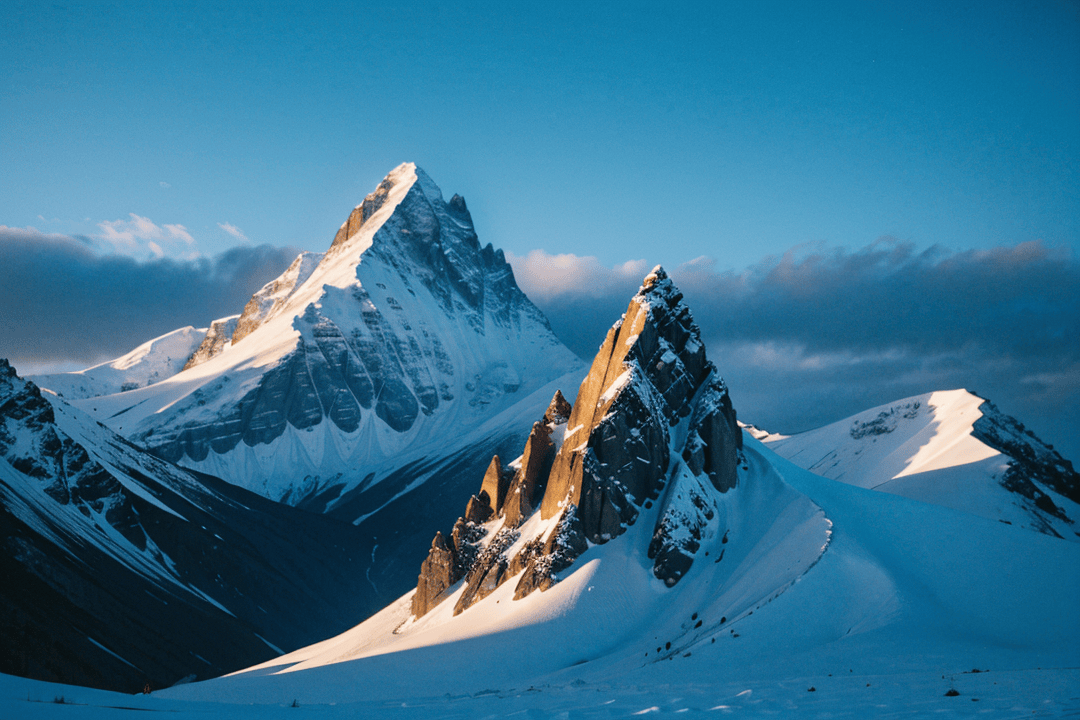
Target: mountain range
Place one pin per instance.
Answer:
(385, 483)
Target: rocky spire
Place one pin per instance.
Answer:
(652, 425)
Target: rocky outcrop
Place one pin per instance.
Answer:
(217, 338)
(274, 294)
(652, 424)
(1031, 462)
(436, 575)
(363, 212)
(505, 499)
(446, 564)
(496, 482)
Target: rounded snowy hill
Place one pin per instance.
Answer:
(150, 363)
(406, 343)
(949, 448)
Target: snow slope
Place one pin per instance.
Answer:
(150, 363)
(903, 602)
(949, 448)
(121, 568)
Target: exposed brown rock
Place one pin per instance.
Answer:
(565, 543)
(558, 411)
(478, 509)
(274, 295)
(529, 480)
(436, 576)
(496, 482)
(488, 571)
(362, 212)
(218, 336)
(650, 375)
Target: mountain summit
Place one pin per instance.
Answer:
(652, 423)
(387, 349)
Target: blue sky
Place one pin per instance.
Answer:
(732, 138)
(618, 130)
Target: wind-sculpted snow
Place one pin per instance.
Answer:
(370, 355)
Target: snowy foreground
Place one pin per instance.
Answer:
(841, 602)
(995, 694)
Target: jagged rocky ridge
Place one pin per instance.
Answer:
(120, 568)
(1031, 462)
(652, 422)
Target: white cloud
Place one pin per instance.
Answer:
(141, 237)
(180, 233)
(233, 230)
(164, 185)
(542, 276)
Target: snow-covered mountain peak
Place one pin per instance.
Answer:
(403, 330)
(652, 431)
(951, 448)
(389, 193)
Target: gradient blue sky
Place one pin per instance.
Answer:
(619, 130)
(713, 138)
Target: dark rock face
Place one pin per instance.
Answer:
(556, 554)
(653, 422)
(1031, 462)
(99, 539)
(505, 494)
(651, 373)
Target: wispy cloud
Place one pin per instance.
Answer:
(141, 237)
(233, 230)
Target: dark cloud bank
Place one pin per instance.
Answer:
(803, 340)
(64, 302)
(818, 334)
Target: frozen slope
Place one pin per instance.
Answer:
(120, 568)
(150, 363)
(949, 448)
(383, 352)
(903, 593)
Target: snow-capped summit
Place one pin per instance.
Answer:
(386, 350)
(949, 448)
